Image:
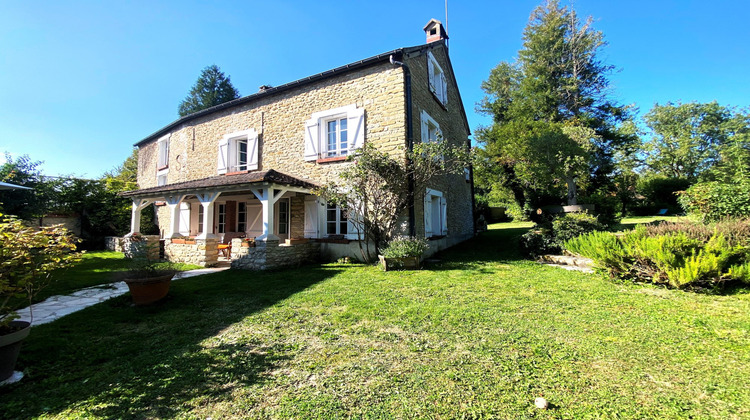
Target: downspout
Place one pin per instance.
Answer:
(409, 140)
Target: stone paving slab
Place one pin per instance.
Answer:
(58, 306)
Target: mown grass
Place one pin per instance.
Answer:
(478, 335)
(97, 268)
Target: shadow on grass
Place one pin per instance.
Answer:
(498, 245)
(115, 360)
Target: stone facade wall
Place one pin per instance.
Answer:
(450, 118)
(204, 252)
(280, 121)
(270, 255)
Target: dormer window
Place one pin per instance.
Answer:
(438, 82)
(238, 152)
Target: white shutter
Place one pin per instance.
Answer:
(252, 151)
(444, 215)
(184, 224)
(223, 156)
(425, 128)
(312, 146)
(311, 219)
(431, 71)
(427, 215)
(443, 89)
(356, 127)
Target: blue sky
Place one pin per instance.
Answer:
(81, 81)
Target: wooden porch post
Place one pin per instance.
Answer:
(135, 216)
(173, 201)
(207, 201)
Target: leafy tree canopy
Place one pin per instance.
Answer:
(212, 88)
(693, 140)
(554, 125)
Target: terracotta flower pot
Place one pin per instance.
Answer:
(10, 346)
(145, 291)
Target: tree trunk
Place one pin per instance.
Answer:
(572, 191)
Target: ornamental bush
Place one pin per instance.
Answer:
(712, 201)
(405, 247)
(548, 238)
(28, 258)
(675, 254)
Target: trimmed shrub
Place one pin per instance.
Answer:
(405, 247)
(548, 238)
(676, 254)
(713, 201)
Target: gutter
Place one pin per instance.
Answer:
(409, 140)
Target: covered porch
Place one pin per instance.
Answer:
(231, 217)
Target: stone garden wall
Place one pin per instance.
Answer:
(270, 255)
(203, 252)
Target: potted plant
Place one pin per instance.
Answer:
(403, 253)
(248, 242)
(30, 256)
(147, 278)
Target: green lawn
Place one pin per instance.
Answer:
(95, 269)
(478, 335)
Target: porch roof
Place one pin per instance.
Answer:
(223, 183)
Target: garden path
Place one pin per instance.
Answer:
(58, 306)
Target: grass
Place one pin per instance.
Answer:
(97, 268)
(478, 335)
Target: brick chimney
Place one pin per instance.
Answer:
(435, 31)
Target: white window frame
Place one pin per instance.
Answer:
(435, 199)
(437, 80)
(221, 218)
(339, 219)
(316, 133)
(162, 160)
(163, 152)
(229, 152)
(430, 128)
(241, 216)
(325, 144)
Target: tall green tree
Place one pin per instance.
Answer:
(554, 126)
(212, 88)
(688, 140)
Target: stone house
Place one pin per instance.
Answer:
(247, 168)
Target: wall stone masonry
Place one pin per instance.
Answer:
(140, 246)
(113, 243)
(451, 120)
(280, 121)
(270, 255)
(204, 252)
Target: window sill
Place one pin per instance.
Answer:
(161, 168)
(437, 99)
(331, 159)
(236, 172)
(436, 237)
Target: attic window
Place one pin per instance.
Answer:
(438, 83)
(433, 31)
